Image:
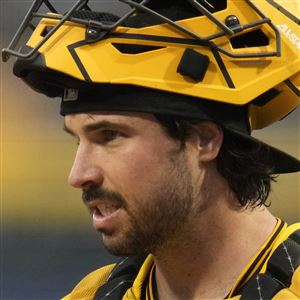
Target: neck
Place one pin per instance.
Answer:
(205, 262)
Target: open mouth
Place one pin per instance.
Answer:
(104, 209)
(105, 215)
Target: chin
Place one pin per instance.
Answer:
(121, 247)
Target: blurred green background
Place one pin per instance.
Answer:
(47, 241)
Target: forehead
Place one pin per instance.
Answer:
(76, 122)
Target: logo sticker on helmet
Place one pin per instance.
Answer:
(70, 95)
(290, 35)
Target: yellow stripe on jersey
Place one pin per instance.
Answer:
(150, 286)
(135, 292)
(87, 287)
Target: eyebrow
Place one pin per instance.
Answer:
(95, 126)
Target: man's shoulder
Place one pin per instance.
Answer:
(112, 281)
(279, 277)
(289, 232)
(284, 262)
(285, 252)
(88, 286)
(281, 268)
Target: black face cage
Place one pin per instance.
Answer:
(97, 30)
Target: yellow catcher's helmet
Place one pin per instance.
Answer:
(234, 62)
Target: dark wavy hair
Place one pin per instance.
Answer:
(244, 165)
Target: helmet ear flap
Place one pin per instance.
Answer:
(284, 99)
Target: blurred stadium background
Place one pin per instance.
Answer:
(47, 241)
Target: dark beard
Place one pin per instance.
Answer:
(153, 222)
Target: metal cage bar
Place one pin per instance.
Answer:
(206, 41)
(6, 52)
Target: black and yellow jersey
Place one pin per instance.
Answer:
(273, 273)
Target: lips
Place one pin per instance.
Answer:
(104, 214)
(105, 209)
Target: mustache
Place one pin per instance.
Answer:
(95, 192)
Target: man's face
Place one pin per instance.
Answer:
(136, 181)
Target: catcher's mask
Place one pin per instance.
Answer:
(234, 62)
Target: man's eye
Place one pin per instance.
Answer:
(109, 135)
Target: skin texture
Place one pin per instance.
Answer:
(141, 171)
(169, 200)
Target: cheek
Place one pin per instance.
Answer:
(136, 173)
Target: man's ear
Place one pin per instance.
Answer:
(210, 139)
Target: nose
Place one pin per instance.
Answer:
(85, 170)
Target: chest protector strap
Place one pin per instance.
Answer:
(120, 279)
(280, 269)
